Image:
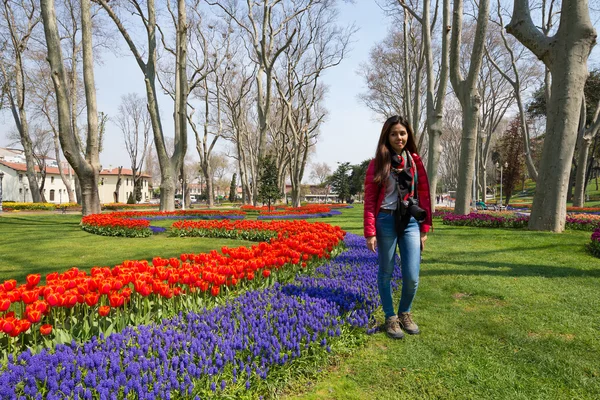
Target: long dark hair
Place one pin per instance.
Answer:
(383, 154)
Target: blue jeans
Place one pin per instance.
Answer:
(410, 255)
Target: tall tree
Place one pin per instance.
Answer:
(86, 167)
(268, 187)
(320, 172)
(587, 134)
(237, 94)
(264, 22)
(340, 181)
(316, 45)
(510, 151)
(133, 120)
(468, 96)
(435, 96)
(170, 166)
(565, 54)
(515, 81)
(19, 21)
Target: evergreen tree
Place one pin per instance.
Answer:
(357, 177)
(340, 181)
(510, 150)
(268, 188)
(232, 194)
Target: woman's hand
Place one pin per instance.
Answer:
(423, 239)
(372, 243)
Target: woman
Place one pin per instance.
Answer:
(395, 173)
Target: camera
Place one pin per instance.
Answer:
(411, 205)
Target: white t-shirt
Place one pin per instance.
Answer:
(390, 201)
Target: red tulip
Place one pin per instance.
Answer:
(46, 329)
(34, 316)
(91, 299)
(103, 311)
(71, 300)
(53, 299)
(116, 300)
(8, 326)
(33, 280)
(10, 285)
(266, 273)
(4, 304)
(105, 288)
(214, 291)
(29, 296)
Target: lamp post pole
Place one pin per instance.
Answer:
(500, 187)
(502, 166)
(1, 177)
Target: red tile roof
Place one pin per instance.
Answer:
(53, 170)
(23, 168)
(124, 172)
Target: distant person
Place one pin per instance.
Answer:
(397, 213)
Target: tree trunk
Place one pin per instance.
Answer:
(550, 199)
(565, 54)
(435, 111)
(466, 91)
(169, 166)
(87, 168)
(118, 185)
(466, 168)
(66, 181)
(588, 135)
(582, 156)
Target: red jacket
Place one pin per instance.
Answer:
(375, 194)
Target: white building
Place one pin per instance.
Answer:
(15, 185)
(108, 184)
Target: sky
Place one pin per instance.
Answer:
(348, 135)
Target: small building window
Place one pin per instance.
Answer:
(127, 181)
(51, 179)
(20, 178)
(51, 194)
(20, 190)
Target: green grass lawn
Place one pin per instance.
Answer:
(524, 194)
(47, 242)
(504, 314)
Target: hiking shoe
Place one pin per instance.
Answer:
(392, 328)
(406, 322)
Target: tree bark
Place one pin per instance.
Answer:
(435, 111)
(565, 54)
(19, 38)
(169, 166)
(588, 135)
(87, 168)
(466, 91)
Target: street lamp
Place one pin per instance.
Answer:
(1, 176)
(505, 165)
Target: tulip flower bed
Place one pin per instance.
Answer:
(136, 223)
(491, 220)
(235, 350)
(309, 211)
(594, 245)
(112, 225)
(485, 220)
(139, 291)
